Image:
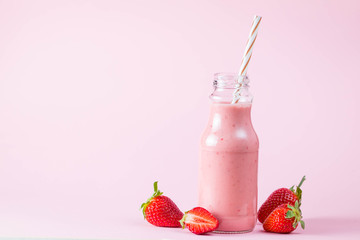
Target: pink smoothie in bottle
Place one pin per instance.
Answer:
(229, 159)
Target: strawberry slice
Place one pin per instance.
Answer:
(199, 221)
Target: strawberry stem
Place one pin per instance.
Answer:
(156, 190)
(298, 191)
(155, 194)
(301, 182)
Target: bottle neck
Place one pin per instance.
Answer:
(231, 88)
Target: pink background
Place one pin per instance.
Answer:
(98, 99)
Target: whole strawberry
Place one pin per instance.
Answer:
(278, 197)
(284, 219)
(199, 221)
(161, 211)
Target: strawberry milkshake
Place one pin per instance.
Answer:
(229, 158)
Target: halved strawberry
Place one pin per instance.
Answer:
(199, 221)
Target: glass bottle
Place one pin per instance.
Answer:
(228, 163)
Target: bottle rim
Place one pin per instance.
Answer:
(228, 80)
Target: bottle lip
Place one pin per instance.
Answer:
(228, 80)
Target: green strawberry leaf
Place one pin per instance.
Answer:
(295, 224)
(302, 223)
(294, 213)
(291, 207)
(290, 214)
(299, 193)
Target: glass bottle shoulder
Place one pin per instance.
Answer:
(230, 129)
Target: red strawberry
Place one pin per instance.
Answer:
(278, 197)
(199, 220)
(284, 219)
(161, 211)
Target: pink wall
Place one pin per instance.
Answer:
(100, 98)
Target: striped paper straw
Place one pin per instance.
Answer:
(247, 54)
